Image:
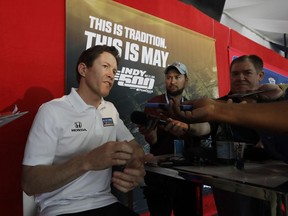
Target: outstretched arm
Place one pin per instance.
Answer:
(265, 116)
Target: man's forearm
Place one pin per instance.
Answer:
(46, 178)
(267, 116)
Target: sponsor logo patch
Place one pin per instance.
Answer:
(107, 122)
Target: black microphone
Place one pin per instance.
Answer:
(142, 118)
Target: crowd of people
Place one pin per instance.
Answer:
(78, 146)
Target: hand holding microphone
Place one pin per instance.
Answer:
(149, 121)
(141, 118)
(148, 124)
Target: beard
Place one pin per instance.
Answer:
(175, 93)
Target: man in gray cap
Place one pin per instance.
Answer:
(165, 194)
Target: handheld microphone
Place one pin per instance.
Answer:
(142, 118)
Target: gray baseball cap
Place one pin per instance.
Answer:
(179, 66)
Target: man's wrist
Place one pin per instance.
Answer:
(151, 139)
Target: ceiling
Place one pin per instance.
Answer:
(266, 18)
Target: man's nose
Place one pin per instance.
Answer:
(111, 74)
(173, 80)
(240, 76)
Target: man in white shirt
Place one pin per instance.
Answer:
(74, 142)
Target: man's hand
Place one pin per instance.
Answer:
(107, 155)
(176, 127)
(150, 133)
(271, 92)
(134, 171)
(203, 110)
(132, 175)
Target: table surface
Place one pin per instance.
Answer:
(266, 180)
(269, 174)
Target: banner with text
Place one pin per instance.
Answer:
(147, 45)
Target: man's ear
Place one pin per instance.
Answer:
(261, 76)
(82, 69)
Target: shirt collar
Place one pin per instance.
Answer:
(167, 98)
(78, 103)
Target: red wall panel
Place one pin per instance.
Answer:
(32, 71)
(221, 34)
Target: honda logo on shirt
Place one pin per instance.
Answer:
(78, 125)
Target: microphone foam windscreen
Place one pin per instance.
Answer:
(139, 117)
